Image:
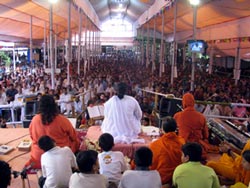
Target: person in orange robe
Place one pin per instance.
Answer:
(192, 125)
(50, 122)
(230, 165)
(167, 151)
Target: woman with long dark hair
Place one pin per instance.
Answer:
(49, 122)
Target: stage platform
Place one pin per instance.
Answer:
(16, 158)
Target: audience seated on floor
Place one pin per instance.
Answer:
(192, 173)
(167, 151)
(142, 176)
(88, 176)
(230, 166)
(246, 166)
(56, 162)
(112, 163)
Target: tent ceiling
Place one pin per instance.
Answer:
(15, 18)
(210, 14)
(131, 10)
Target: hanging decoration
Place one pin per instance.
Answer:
(229, 40)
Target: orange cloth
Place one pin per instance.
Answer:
(191, 123)
(60, 129)
(231, 168)
(166, 155)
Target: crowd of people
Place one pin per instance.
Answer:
(172, 160)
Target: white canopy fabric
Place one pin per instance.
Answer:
(15, 16)
(222, 22)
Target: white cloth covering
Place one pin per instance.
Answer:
(122, 119)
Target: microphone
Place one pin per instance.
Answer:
(23, 173)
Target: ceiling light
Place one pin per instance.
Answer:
(194, 2)
(52, 1)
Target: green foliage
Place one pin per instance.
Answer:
(5, 59)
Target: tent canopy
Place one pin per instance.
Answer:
(225, 23)
(15, 19)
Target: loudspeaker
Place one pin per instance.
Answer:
(168, 107)
(31, 108)
(26, 123)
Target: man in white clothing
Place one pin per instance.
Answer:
(142, 176)
(122, 116)
(112, 163)
(65, 101)
(57, 164)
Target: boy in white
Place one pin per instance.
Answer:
(112, 163)
(57, 164)
(88, 177)
(141, 177)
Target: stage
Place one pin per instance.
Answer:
(16, 158)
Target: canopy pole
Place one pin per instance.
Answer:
(44, 46)
(237, 64)
(173, 64)
(79, 42)
(51, 46)
(89, 49)
(14, 58)
(161, 48)
(86, 50)
(143, 51)
(147, 46)
(92, 45)
(211, 59)
(153, 47)
(69, 42)
(31, 44)
(193, 53)
(55, 66)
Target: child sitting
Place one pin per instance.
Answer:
(142, 175)
(112, 163)
(88, 177)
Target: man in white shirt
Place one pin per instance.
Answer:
(65, 102)
(57, 164)
(18, 102)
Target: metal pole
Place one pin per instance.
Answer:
(147, 47)
(173, 65)
(211, 59)
(93, 37)
(161, 48)
(14, 59)
(86, 50)
(237, 64)
(31, 44)
(193, 53)
(44, 46)
(154, 46)
(69, 42)
(56, 48)
(51, 46)
(79, 43)
(89, 49)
